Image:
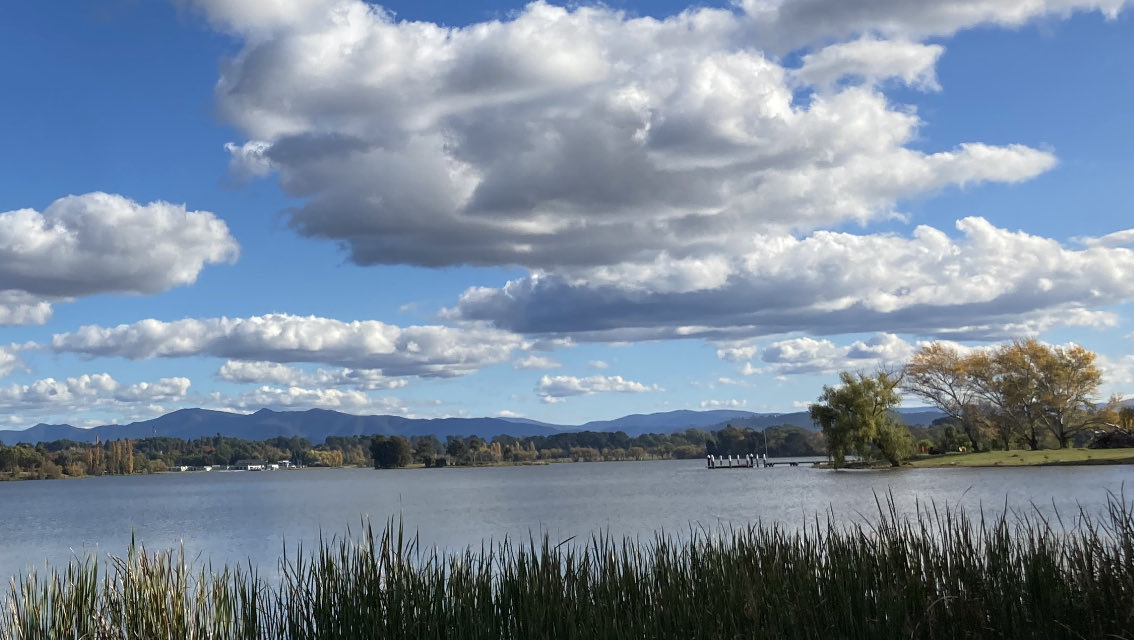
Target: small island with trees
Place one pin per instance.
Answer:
(1019, 395)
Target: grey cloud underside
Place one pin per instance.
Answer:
(18, 307)
(802, 21)
(989, 284)
(739, 309)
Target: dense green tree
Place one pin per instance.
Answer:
(856, 417)
(456, 447)
(730, 441)
(9, 459)
(389, 453)
(789, 441)
(425, 448)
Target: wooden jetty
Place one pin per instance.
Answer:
(728, 462)
(751, 461)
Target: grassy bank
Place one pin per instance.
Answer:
(940, 575)
(1029, 458)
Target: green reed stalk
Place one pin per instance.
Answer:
(941, 574)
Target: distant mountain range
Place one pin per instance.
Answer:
(317, 424)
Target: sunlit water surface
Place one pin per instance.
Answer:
(248, 516)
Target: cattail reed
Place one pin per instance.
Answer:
(940, 574)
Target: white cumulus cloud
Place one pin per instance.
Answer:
(102, 243)
(536, 362)
(872, 59)
(9, 360)
(293, 398)
(737, 351)
(807, 355)
(988, 282)
(425, 351)
(1117, 239)
(623, 140)
(257, 372)
(731, 403)
(89, 392)
(1118, 374)
(556, 388)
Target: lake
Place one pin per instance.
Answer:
(242, 516)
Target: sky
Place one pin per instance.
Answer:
(563, 212)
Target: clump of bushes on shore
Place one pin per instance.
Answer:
(938, 575)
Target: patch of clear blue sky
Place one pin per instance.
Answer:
(116, 95)
(1063, 86)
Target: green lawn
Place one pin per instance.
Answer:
(1018, 458)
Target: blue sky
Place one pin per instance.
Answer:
(559, 212)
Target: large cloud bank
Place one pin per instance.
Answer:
(102, 243)
(575, 137)
(660, 177)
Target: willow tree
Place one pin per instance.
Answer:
(856, 418)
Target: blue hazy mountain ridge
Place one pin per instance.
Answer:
(317, 424)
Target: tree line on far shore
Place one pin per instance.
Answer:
(593, 446)
(1022, 394)
(67, 458)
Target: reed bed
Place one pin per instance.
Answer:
(936, 575)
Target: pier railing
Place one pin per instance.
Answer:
(752, 461)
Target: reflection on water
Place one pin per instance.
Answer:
(237, 517)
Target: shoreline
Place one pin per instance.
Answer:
(1027, 458)
(983, 459)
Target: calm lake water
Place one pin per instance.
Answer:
(242, 516)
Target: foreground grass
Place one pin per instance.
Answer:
(1029, 458)
(940, 575)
